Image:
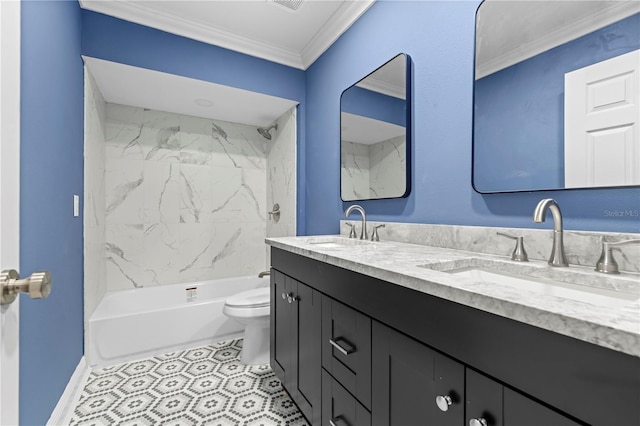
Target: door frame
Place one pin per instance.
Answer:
(9, 203)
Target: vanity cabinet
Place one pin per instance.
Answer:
(431, 361)
(295, 342)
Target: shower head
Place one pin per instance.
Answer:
(265, 132)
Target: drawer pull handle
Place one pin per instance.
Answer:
(334, 421)
(344, 350)
(478, 422)
(443, 402)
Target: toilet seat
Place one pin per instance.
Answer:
(257, 298)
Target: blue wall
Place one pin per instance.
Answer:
(378, 106)
(120, 41)
(439, 37)
(51, 173)
(524, 104)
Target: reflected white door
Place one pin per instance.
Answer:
(602, 140)
(9, 202)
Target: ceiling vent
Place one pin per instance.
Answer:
(292, 5)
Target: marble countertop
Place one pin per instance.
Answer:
(611, 322)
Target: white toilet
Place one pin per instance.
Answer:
(252, 308)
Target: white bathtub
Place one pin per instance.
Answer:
(138, 323)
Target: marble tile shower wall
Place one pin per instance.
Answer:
(94, 201)
(185, 198)
(281, 176)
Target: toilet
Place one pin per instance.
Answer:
(252, 308)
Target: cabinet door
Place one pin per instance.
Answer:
(522, 411)
(484, 400)
(447, 404)
(308, 335)
(402, 379)
(282, 341)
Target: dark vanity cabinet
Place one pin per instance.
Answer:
(353, 350)
(295, 342)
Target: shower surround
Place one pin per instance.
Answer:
(185, 198)
(177, 199)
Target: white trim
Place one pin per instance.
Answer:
(63, 412)
(616, 12)
(136, 12)
(10, 210)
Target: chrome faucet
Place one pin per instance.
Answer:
(557, 257)
(363, 232)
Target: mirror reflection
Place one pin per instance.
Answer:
(556, 95)
(374, 130)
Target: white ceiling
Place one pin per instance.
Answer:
(143, 88)
(260, 28)
(367, 131)
(509, 32)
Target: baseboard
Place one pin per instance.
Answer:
(69, 400)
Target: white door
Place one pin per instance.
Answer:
(602, 140)
(9, 201)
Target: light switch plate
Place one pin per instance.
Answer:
(76, 205)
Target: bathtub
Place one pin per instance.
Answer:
(133, 324)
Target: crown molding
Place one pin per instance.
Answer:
(138, 13)
(579, 28)
(345, 16)
(383, 87)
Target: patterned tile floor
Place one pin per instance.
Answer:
(202, 386)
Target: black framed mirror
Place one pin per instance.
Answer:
(556, 95)
(375, 134)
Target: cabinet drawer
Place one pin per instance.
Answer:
(346, 348)
(339, 407)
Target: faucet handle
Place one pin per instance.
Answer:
(352, 233)
(607, 264)
(519, 254)
(374, 235)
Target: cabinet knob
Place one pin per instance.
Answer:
(443, 402)
(284, 295)
(291, 298)
(478, 422)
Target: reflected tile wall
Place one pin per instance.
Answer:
(185, 198)
(373, 171)
(354, 159)
(94, 197)
(387, 168)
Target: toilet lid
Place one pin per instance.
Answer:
(250, 299)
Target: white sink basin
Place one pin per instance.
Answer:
(581, 293)
(569, 283)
